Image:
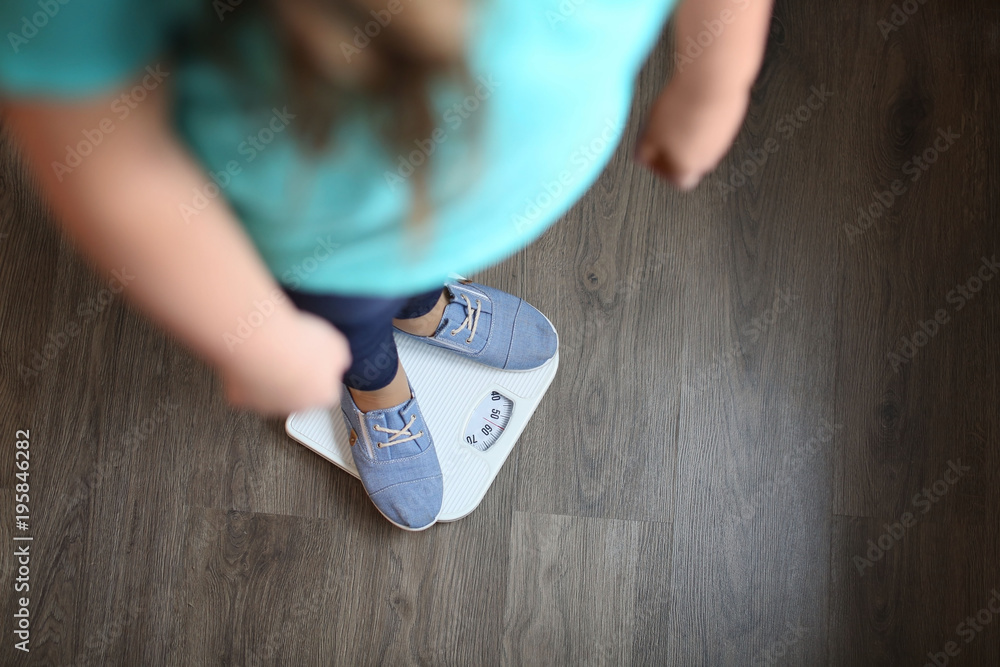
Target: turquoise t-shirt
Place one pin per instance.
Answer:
(552, 83)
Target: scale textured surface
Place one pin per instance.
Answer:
(449, 388)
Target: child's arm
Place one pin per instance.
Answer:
(121, 207)
(699, 113)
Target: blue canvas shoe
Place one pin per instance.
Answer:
(396, 460)
(494, 328)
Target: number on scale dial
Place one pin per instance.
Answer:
(488, 421)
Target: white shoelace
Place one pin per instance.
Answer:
(469, 321)
(397, 433)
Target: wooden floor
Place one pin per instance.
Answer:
(742, 461)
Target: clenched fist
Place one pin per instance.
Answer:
(294, 362)
(690, 129)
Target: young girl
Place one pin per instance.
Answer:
(290, 180)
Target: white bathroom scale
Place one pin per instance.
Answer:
(475, 415)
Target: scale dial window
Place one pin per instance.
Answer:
(488, 421)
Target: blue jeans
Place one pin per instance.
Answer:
(367, 324)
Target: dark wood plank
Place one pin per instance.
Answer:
(596, 567)
(751, 545)
(617, 272)
(917, 360)
(925, 597)
(300, 591)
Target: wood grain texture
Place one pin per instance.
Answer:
(731, 467)
(616, 266)
(573, 589)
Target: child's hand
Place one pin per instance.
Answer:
(294, 362)
(689, 130)
(697, 116)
